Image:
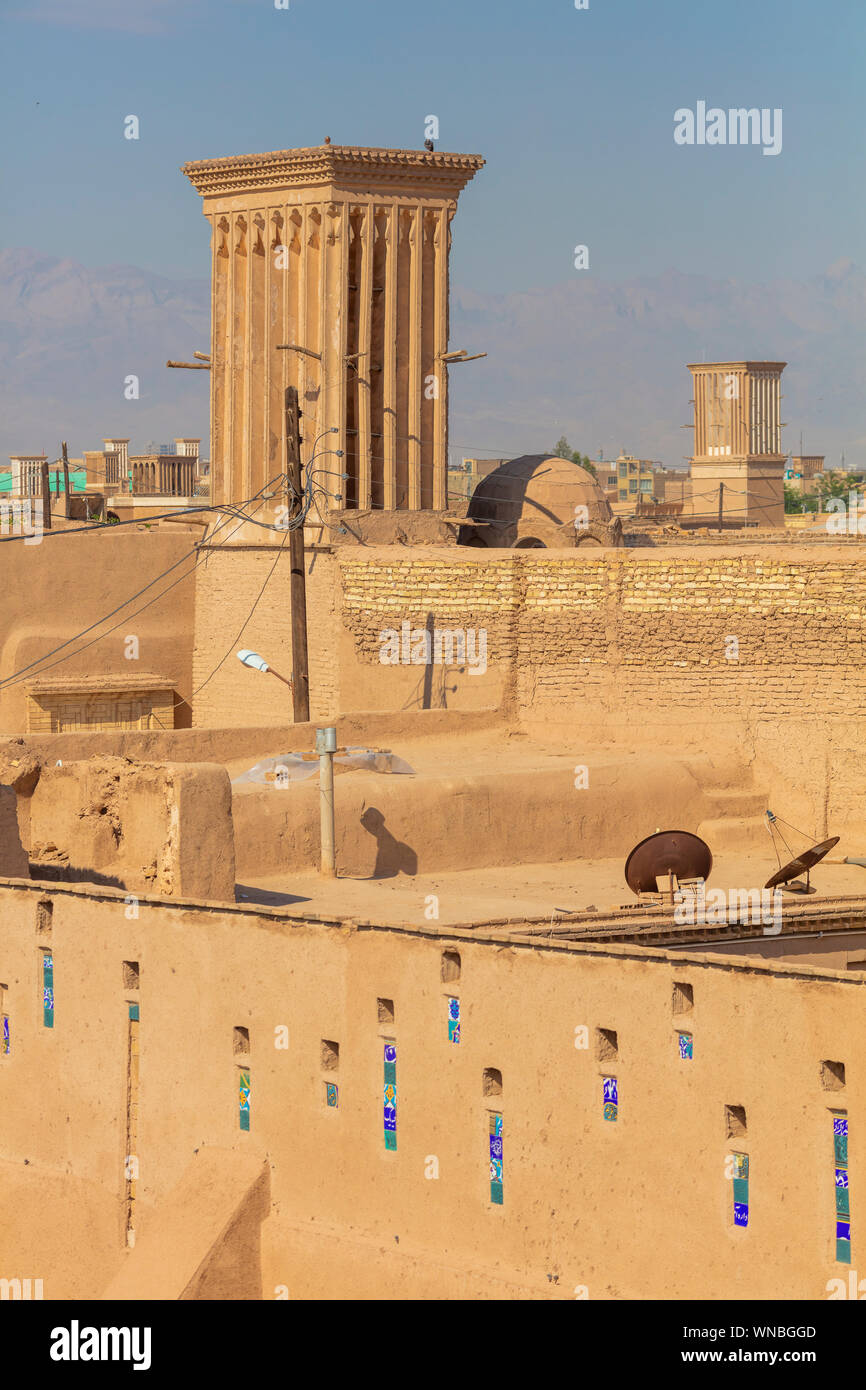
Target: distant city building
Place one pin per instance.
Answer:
(672, 485)
(464, 477)
(126, 483)
(116, 460)
(22, 476)
(738, 461)
(804, 472)
(25, 475)
(606, 474)
(634, 477)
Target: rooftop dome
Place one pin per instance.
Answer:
(533, 501)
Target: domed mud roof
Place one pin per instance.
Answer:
(537, 493)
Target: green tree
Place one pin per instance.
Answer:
(837, 484)
(794, 500)
(563, 450)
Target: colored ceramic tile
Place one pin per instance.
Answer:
(331, 1095)
(390, 1095)
(741, 1189)
(133, 1013)
(687, 1044)
(244, 1099)
(496, 1159)
(843, 1196)
(7, 1042)
(454, 1020)
(610, 1110)
(48, 991)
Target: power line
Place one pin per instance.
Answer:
(243, 626)
(16, 676)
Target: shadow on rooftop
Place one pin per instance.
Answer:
(266, 897)
(393, 857)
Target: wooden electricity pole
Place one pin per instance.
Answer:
(46, 497)
(65, 477)
(298, 594)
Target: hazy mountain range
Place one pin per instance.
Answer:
(602, 362)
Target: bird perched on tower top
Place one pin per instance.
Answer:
(428, 145)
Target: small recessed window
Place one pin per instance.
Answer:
(241, 1042)
(683, 997)
(330, 1055)
(44, 916)
(385, 1010)
(492, 1082)
(130, 974)
(606, 1048)
(735, 1121)
(450, 966)
(833, 1076)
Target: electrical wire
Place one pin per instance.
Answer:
(17, 676)
(246, 620)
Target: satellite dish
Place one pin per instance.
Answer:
(802, 864)
(671, 854)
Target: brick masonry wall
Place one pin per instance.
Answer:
(617, 633)
(242, 600)
(632, 631)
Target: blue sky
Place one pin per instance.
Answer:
(573, 110)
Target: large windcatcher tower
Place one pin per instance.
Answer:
(341, 253)
(738, 441)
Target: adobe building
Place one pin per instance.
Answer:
(330, 274)
(738, 442)
(25, 475)
(804, 472)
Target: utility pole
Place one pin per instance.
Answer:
(298, 579)
(65, 477)
(46, 497)
(721, 494)
(326, 747)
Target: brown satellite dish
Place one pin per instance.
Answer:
(801, 865)
(671, 854)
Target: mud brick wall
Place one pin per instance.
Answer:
(629, 632)
(610, 636)
(242, 600)
(378, 595)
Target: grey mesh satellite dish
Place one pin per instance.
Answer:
(661, 862)
(788, 876)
